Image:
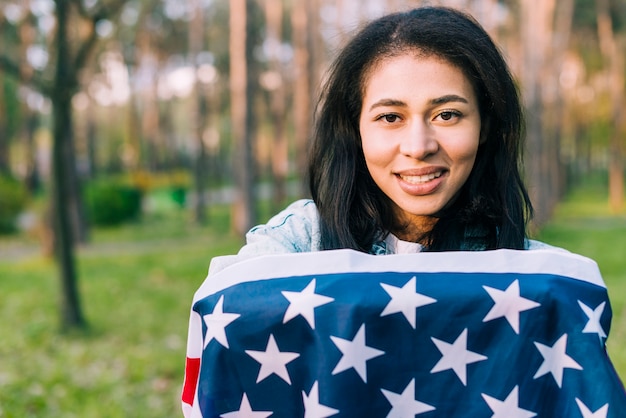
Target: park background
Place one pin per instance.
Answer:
(140, 138)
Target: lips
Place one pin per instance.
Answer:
(421, 179)
(421, 182)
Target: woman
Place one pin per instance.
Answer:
(417, 147)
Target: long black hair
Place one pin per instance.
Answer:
(492, 208)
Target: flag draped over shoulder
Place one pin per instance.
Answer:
(503, 333)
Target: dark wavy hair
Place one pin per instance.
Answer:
(492, 209)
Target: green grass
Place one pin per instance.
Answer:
(584, 225)
(136, 283)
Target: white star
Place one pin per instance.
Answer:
(303, 303)
(600, 413)
(245, 411)
(355, 353)
(273, 361)
(508, 408)
(508, 304)
(456, 356)
(312, 406)
(404, 404)
(594, 315)
(406, 300)
(216, 323)
(555, 360)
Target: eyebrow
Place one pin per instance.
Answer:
(449, 98)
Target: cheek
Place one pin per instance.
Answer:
(376, 152)
(373, 161)
(464, 149)
(467, 154)
(464, 161)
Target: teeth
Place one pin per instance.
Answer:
(420, 179)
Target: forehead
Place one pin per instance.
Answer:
(413, 68)
(395, 53)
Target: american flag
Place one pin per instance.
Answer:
(505, 334)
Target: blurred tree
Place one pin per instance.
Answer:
(8, 104)
(302, 92)
(133, 40)
(243, 74)
(5, 102)
(274, 82)
(544, 35)
(27, 34)
(535, 27)
(555, 95)
(158, 41)
(199, 110)
(71, 57)
(72, 40)
(613, 56)
(17, 32)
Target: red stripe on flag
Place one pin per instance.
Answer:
(192, 370)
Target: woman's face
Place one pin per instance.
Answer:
(420, 131)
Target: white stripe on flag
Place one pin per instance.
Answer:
(543, 261)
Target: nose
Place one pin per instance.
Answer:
(419, 141)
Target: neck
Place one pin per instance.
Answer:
(415, 228)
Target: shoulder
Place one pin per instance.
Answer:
(531, 244)
(300, 215)
(293, 230)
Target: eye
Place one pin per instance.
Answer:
(389, 118)
(448, 115)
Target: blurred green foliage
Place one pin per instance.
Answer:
(111, 202)
(13, 200)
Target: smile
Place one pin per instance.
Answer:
(421, 179)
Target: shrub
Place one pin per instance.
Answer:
(179, 196)
(111, 202)
(13, 199)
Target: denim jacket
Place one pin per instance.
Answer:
(296, 229)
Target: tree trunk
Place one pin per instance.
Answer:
(301, 95)
(75, 204)
(280, 151)
(315, 44)
(536, 30)
(200, 162)
(66, 197)
(4, 127)
(91, 140)
(132, 155)
(243, 167)
(150, 128)
(198, 114)
(32, 178)
(152, 137)
(166, 127)
(614, 63)
(562, 30)
(27, 36)
(71, 313)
